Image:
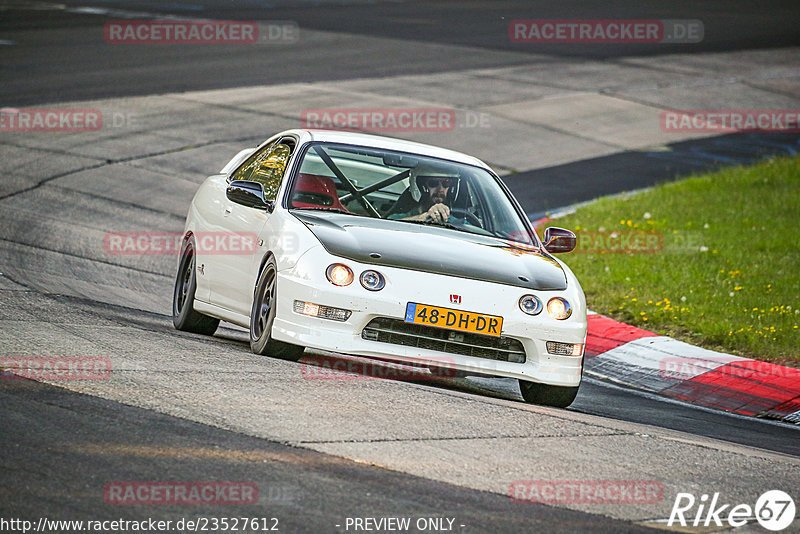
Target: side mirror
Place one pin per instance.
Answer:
(558, 240)
(250, 194)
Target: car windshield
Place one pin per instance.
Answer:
(372, 182)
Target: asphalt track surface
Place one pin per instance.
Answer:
(60, 447)
(62, 55)
(50, 435)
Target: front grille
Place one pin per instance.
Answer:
(399, 332)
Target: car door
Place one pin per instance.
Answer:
(234, 267)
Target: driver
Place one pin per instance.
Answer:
(429, 196)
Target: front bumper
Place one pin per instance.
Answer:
(306, 282)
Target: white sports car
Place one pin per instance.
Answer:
(387, 249)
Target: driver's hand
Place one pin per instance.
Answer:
(439, 213)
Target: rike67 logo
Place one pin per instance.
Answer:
(774, 510)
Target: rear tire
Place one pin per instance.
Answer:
(184, 316)
(262, 317)
(546, 395)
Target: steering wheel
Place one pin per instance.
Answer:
(461, 213)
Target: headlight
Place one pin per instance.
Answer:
(372, 280)
(339, 275)
(559, 308)
(530, 305)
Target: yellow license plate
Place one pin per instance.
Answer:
(465, 321)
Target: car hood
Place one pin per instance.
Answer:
(433, 249)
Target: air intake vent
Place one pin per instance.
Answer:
(398, 332)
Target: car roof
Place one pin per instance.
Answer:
(378, 141)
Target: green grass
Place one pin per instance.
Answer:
(721, 268)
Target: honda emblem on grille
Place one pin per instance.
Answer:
(455, 299)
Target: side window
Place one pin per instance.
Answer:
(266, 167)
(246, 169)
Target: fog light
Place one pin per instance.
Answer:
(323, 312)
(530, 305)
(372, 280)
(564, 349)
(339, 275)
(559, 308)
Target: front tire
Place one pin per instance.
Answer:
(544, 394)
(184, 316)
(262, 317)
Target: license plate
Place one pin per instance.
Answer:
(465, 321)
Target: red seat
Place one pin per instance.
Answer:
(315, 191)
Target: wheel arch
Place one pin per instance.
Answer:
(267, 255)
(188, 235)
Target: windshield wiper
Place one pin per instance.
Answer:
(438, 224)
(335, 210)
(513, 242)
